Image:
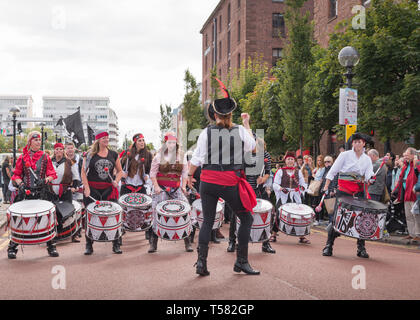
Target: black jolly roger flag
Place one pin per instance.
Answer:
(74, 128)
(91, 135)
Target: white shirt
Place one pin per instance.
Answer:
(200, 152)
(60, 173)
(347, 161)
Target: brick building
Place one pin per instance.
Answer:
(239, 29)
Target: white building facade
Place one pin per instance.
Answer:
(24, 103)
(95, 112)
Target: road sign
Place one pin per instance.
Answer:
(348, 106)
(350, 129)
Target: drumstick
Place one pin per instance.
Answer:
(319, 207)
(28, 165)
(385, 159)
(109, 175)
(92, 198)
(126, 163)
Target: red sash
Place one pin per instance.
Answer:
(229, 178)
(105, 185)
(352, 187)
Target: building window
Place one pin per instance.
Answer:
(332, 13)
(220, 24)
(228, 22)
(277, 55)
(206, 66)
(239, 31)
(229, 65)
(278, 0)
(220, 50)
(239, 61)
(207, 40)
(239, 3)
(278, 25)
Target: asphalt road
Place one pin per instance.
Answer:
(296, 271)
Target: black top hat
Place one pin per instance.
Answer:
(222, 106)
(361, 136)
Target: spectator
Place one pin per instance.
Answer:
(404, 192)
(376, 190)
(6, 171)
(319, 169)
(396, 171)
(299, 161)
(390, 168)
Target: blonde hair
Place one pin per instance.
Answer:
(94, 149)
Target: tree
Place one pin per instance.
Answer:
(294, 73)
(192, 110)
(387, 75)
(165, 119)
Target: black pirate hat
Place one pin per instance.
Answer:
(222, 106)
(361, 136)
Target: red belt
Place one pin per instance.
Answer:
(105, 185)
(353, 187)
(230, 178)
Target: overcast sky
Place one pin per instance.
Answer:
(134, 51)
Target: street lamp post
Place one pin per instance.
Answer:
(349, 58)
(15, 110)
(42, 136)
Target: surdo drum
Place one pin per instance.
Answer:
(104, 221)
(171, 220)
(361, 219)
(197, 216)
(70, 225)
(32, 221)
(295, 219)
(137, 213)
(260, 229)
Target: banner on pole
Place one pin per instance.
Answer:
(348, 106)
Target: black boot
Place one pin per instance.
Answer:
(153, 240)
(328, 250)
(12, 250)
(201, 264)
(242, 263)
(232, 246)
(266, 247)
(192, 235)
(213, 237)
(116, 246)
(361, 250)
(147, 234)
(187, 243)
(89, 246)
(52, 250)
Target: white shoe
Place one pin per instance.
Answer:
(316, 223)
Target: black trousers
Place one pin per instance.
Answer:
(210, 194)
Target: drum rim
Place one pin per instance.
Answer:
(117, 211)
(263, 201)
(122, 203)
(50, 210)
(160, 204)
(300, 204)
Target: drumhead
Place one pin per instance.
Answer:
(297, 209)
(104, 208)
(135, 200)
(173, 207)
(262, 206)
(77, 206)
(30, 207)
(363, 203)
(198, 205)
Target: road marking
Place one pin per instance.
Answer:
(296, 288)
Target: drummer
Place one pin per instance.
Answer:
(136, 163)
(355, 172)
(224, 180)
(169, 174)
(288, 185)
(68, 179)
(33, 157)
(98, 180)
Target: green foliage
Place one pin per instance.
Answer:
(165, 119)
(192, 110)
